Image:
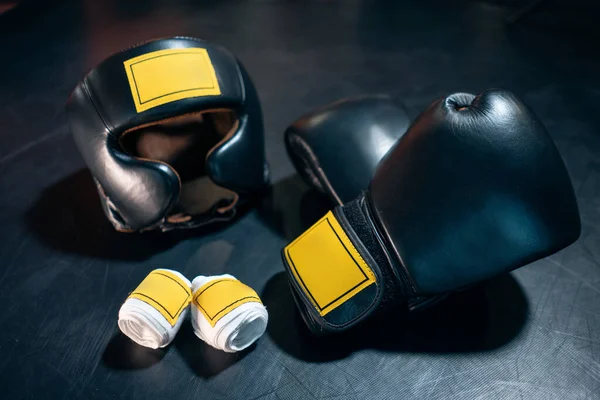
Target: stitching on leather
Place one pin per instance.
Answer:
(300, 149)
(117, 150)
(373, 265)
(136, 45)
(88, 93)
(111, 207)
(384, 241)
(313, 164)
(241, 79)
(342, 221)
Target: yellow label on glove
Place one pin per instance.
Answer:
(218, 297)
(165, 76)
(327, 266)
(166, 292)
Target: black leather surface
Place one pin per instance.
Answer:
(341, 144)
(239, 163)
(101, 109)
(110, 89)
(531, 334)
(143, 191)
(476, 187)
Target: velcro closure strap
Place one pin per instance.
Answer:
(337, 285)
(217, 298)
(164, 76)
(166, 292)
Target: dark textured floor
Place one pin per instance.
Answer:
(533, 334)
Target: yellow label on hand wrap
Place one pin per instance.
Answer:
(327, 266)
(165, 76)
(218, 297)
(166, 292)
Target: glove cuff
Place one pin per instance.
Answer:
(360, 221)
(339, 270)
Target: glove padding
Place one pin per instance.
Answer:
(475, 188)
(336, 148)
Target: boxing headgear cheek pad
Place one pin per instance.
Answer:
(155, 83)
(475, 188)
(336, 148)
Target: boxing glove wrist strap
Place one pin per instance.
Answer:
(338, 269)
(361, 222)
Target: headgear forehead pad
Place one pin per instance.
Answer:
(172, 132)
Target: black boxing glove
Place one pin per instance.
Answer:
(336, 148)
(172, 133)
(475, 188)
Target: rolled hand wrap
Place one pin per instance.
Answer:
(227, 314)
(153, 313)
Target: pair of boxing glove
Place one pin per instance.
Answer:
(473, 188)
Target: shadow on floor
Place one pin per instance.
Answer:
(481, 318)
(204, 360)
(290, 207)
(68, 217)
(121, 353)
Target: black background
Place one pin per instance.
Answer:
(532, 334)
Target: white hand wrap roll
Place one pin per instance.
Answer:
(227, 314)
(154, 311)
